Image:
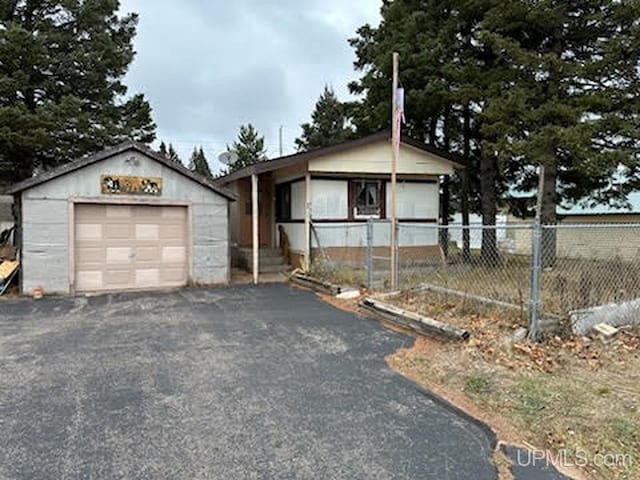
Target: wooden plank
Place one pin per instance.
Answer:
(315, 284)
(417, 323)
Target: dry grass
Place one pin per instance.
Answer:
(570, 284)
(571, 394)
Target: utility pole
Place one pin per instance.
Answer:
(395, 147)
(280, 138)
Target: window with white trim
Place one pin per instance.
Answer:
(367, 199)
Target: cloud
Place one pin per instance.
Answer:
(209, 66)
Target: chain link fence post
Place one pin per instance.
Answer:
(396, 247)
(536, 266)
(369, 254)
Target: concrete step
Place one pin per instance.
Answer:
(270, 260)
(266, 262)
(274, 268)
(264, 252)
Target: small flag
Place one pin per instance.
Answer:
(400, 103)
(398, 117)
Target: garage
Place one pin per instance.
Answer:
(123, 219)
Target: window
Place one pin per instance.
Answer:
(283, 202)
(367, 202)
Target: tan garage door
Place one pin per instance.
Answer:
(120, 247)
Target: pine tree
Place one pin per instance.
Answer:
(162, 150)
(329, 123)
(199, 164)
(173, 155)
(445, 73)
(169, 152)
(513, 85)
(61, 90)
(249, 147)
(568, 100)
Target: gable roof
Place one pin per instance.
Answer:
(289, 160)
(129, 145)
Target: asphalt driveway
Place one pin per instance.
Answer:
(231, 383)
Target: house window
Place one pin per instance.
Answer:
(283, 202)
(367, 201)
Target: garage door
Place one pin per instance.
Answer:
(121, 247)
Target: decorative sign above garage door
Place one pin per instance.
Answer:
(126, 185)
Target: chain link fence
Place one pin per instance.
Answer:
(454, 262)
(584, 273)
(590, 273)
(352, 253)
(339, 252)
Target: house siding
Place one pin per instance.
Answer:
(45, 244)
(416, 201)
(376, 159)
(46, 223)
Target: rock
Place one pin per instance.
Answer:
(348, 294)
(520, 334)
(604, 330)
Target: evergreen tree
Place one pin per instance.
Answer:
(329, 123)
(567, 100)
(249, 147)
(61, 90)
(199, 164)
(513, 85)
(169, 152)
(162, 150)
(445, 73)
(173, 155)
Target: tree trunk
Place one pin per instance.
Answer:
(488, 201)
(464, 208)
(444, 216)
(548, 215)
(433, 130)
(445, 194)
(466, 190)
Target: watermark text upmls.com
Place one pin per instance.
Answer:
(578, 458)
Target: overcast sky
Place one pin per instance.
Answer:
(208, 66)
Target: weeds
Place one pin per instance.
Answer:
(476, 385)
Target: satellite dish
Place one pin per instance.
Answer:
(228, 158)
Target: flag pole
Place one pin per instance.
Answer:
(395, 147)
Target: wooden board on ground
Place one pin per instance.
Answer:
(413, 321)
(314, 284)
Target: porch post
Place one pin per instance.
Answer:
(254, 230)
(307, 218)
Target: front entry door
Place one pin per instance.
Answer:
(265, 200)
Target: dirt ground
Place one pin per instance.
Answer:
(575, 397)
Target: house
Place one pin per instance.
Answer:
(343, 185)
(125, 218)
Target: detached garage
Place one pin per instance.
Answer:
(126, 218)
